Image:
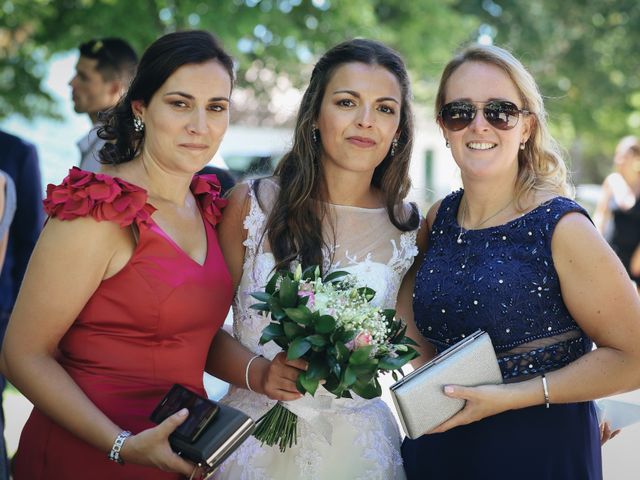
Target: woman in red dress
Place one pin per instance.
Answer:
(127, 285)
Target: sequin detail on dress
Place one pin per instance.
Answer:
(501, 279)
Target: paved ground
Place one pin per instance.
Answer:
(621, 455)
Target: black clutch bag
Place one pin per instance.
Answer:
(211, 432)
(226, 432)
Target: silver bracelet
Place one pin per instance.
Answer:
(114, 454)
(246, 372)
(545, 388)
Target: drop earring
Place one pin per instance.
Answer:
(394, 145)
(447, 143)
(314, 134)
(522, 145)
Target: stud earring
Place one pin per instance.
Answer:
(394, 145)
(522, 145)
(138, 124)
(447, 143)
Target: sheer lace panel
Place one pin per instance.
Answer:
(370, 247)
(541, 355)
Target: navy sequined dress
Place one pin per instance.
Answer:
(502, 279)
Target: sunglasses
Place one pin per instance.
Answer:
(500, 114)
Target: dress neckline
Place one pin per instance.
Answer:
(161, 231)
(458, 201)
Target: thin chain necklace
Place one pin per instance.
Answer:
(464, 212)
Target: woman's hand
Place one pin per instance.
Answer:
(481, 402)
(278, 379)
(606, 434)
(151, 447)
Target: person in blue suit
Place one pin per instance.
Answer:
(19, 161)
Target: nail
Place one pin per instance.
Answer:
(183, 412)
(448, 389)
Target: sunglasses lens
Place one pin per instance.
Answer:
(502, 115)
(457, 115)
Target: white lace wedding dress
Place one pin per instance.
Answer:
(365, 440)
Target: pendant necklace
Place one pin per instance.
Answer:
(464, 212)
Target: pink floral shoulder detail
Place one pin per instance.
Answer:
(103, 197)
(206, 189)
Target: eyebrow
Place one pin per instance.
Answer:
(191, 97)
(357, 95)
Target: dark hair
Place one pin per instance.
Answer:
(294, 227)
(163, 57)
(116, 58)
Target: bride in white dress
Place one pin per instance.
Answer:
(336, 201)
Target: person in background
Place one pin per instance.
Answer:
(103, 73)
(617, 214)
(19, 161)
(7, 211)
(512, 255)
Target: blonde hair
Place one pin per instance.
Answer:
(541, 166)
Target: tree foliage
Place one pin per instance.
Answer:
(584, 55)
(582, 52)
(274, 41)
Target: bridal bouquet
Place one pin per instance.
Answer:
(331, 324)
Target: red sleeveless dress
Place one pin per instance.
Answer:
(144, 329)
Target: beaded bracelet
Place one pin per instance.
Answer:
(545, 388)
(246, 372)
(114, 454)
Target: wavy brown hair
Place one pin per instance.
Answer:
(295, 224)
(541, 165)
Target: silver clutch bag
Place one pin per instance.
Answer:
(419, 397)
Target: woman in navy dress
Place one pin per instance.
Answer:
(512, 255)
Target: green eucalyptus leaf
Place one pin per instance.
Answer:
(334, 365)
(360, 355)
(309, 384)
(261, 307)
(331, 384)
(292, 330)
(298, 348)
(276, 310)
(367, 293)
(393, 363)
(318, 369)
(409, 341)
(270, 332)
(317, 340)
(288, 293)
(348, 377)
(325, 324)
(299, 314)
(262, 296)
(309, 273)
(335, 275)
(271, 285)
(342, 352)
(300, 386)
(368, 390)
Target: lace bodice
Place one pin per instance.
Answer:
(500, 279)
(378, 254)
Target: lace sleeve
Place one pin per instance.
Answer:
(254, 225)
